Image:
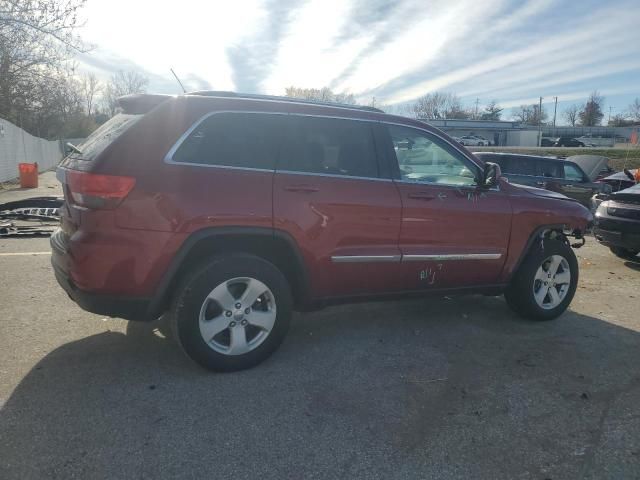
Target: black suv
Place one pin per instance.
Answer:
(559, 175)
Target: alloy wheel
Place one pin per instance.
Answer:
(551, 282)
(237, 316)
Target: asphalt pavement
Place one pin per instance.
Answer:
(432, 388)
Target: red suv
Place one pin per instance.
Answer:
(229, 211)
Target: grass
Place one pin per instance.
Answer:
(619, 158)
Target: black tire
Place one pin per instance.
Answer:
(624, 253)
(520, 293)
(198, 284)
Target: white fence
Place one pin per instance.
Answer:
(17, 146)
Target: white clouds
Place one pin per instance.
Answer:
(309, 54)
(191, 37)
(413, 48)
(505, 49)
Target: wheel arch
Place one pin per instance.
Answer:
(539, 234)
(275, 246)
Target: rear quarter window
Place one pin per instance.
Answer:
(245, 140)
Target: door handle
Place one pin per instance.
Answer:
(422, 196)
(302, 188)
(541, 184)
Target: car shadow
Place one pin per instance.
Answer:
(429, 388)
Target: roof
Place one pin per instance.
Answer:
(252, 96)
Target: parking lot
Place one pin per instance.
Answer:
(433, 388)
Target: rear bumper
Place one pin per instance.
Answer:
(129, 308)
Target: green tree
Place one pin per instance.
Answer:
(492, 111)
(591, 113)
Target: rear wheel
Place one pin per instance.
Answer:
(546, 282)
(232, 313)
(624, 253)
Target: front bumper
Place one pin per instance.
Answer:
(629, 241)
(128, 308)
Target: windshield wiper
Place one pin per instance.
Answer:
(74, 148)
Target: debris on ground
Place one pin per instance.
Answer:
(31, 216)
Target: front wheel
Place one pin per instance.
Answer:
(232, 313)
(545, 283)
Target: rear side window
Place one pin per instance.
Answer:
(329, 146)
(105, 135)
(550, 169)
(247, 140)
(521, 166)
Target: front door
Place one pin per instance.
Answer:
(330, 194)
(454, 233)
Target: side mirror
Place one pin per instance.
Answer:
(492, 174)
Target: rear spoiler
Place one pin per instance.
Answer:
(141, 103)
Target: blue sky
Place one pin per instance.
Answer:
(510, 50)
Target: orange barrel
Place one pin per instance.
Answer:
(28, 175)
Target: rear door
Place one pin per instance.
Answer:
(341, 207)
(454, 233)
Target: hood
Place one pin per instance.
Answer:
(628, 195)
(619, 176)
(592, 165)
(541, 192)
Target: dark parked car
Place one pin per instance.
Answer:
(566, 176)
(617, 222)
(547, 142)
(229, 211)
(568, 142)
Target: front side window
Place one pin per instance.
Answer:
(329, 146)
(248, 140)
(572, 173)
(426, 159)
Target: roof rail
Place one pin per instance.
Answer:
(253, 96)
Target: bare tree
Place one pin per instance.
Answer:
(321, 95)
(439, 105)
(591, 113)
(530, 114)
(570, 114)
(634, 110)
(91, 87)
(36, 39)
(521, 113)
(620, 120)
(123, 83)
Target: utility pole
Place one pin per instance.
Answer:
(555, 109)
(610, 108)
(373, 102)
(476, 115)
(540, 122)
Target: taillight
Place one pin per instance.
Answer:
(98, 191)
